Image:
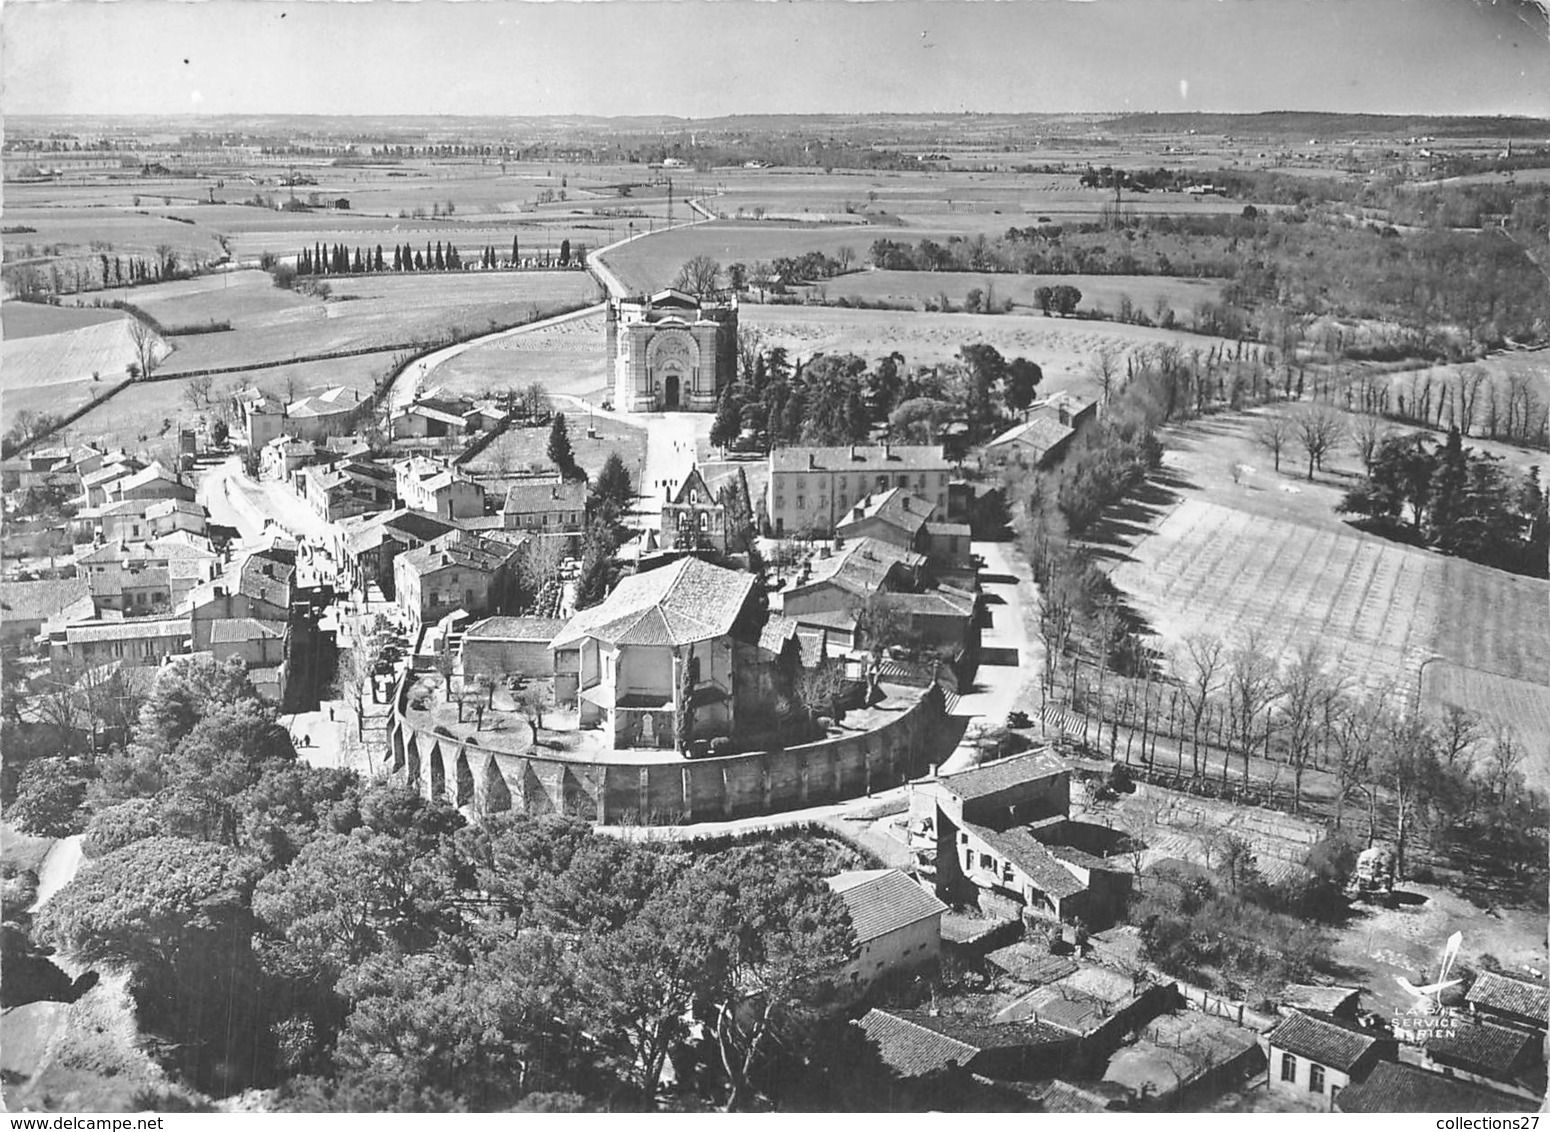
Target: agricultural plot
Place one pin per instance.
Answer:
(367, 312)
(32, 320)
(43, 360)
(567, 358)
(1269, 553)
(1100, 292)
(83, 233)
(1064, 348)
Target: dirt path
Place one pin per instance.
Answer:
(59, 869)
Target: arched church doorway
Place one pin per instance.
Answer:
(670, 392)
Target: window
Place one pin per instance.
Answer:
(987, 861)
(780, 502)
(704, 521)
(1315, 1078)
(801, 503)
(1288, 1067)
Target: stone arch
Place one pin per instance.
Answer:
(497, 795)
(465, 781)
(412, 765)
(398, 748)
(438, 784)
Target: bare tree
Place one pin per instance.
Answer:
(534, 698)
(1201, 668)
(1367, 432)
(1317, 427)
(1103, 366)
(144, 340)
(1306, 687)
(1251, 691)
(1273, 433)
(1470, 380)
(1503, 758)
(698, 276)
(197, 392)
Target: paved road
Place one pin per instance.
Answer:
(1010, 650)
(672, 441)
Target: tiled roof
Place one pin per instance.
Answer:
(155, 508)
(1032, 857)
(232, 630)
(913, 1050)
(1510, 996)
(933, 603)
(131, 629)
(145, 476)
(1002, 774)
(862, 458)
(1322, 1038)
(516, 628)
(1303, 996)
(1483, 1047)
(545, 495)
(883, 900)
(1039, 433)
(109, 472)
(459, 548)
(364, 533)
(1395, 1087)
(944, 530)
(1078, 857)
(1063, 1096)
(776, 633)
(861, 566)
(1031, 965)
(38, 601)
(689, 600)
(115, 578)
(896, 507)
(336, 400)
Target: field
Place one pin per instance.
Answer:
(31, 320)
(365, 311)
(1063, 347)
(517, 449)
(155, 410)
(567, 358)
(52, 373)
(1269, 553)
(1102, 292)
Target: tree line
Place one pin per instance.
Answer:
(337, 259)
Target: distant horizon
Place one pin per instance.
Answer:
(709, 59)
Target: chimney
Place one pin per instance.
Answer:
(853, 452)
(887, 449)
(812, 460)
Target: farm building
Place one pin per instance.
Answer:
(1048, 430)
(323, 414)
(671, 351)
(898, 924)
(1509, 1002)
(1496, 1056)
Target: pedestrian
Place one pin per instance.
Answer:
(330, 713)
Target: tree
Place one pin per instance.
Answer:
(1307, 691)
(565, 253)
(1273, 433)
(683, 706)
(728, 423)
(1104, 367)
(144, 340)
(533, 699)
(1022, 382)
(1317, 428)
(1064, 298)
(698, 276)
(197, 392)
(48, 799)
(560, 453)
(612, 489)
(1202, 667)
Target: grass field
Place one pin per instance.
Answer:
(32, 320)
(521, 448)
(365, 311)
(1270, 553)
(1063, 347)
(1098, 291)
(53, 372)
(567, 358)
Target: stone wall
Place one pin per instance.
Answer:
(665, 793)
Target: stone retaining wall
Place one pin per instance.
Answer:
(664, 793)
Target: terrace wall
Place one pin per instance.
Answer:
(663, 792)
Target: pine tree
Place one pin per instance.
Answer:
(441, 262)
(379, 257)
(419, 264)
(398, 258)
(729, 412)
(515, 258)
(564, 252)
(360, 267)
(683, 713)
(561, 454)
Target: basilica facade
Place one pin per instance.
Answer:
(671, 352)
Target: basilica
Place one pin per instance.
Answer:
(671, 352)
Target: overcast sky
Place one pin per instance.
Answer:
(701, 58)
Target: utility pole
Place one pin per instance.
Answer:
(669, 202)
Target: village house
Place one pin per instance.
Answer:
(137, 642)
(1341, 1002)
(131, 588)
(323, 414)
(169, 516)
(183, 561)
(549, 506)
(1048, 429)
(1002, 833)
(829, 591)
(1507, 1001)
(457, 572)
(918, 1046)
(95, 484)
(909, 522)
(1393, 1086)
(368, 544)
(25, 607)
(285, 455)
(263, 418)
(624, 663)
(439, 488)
(260, 586)
(499, 647)
(810, 488)
(897, 924)
(1499, 1057)
(437, 414)
(152, 482)
(350, 487)
(1319, 1055)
